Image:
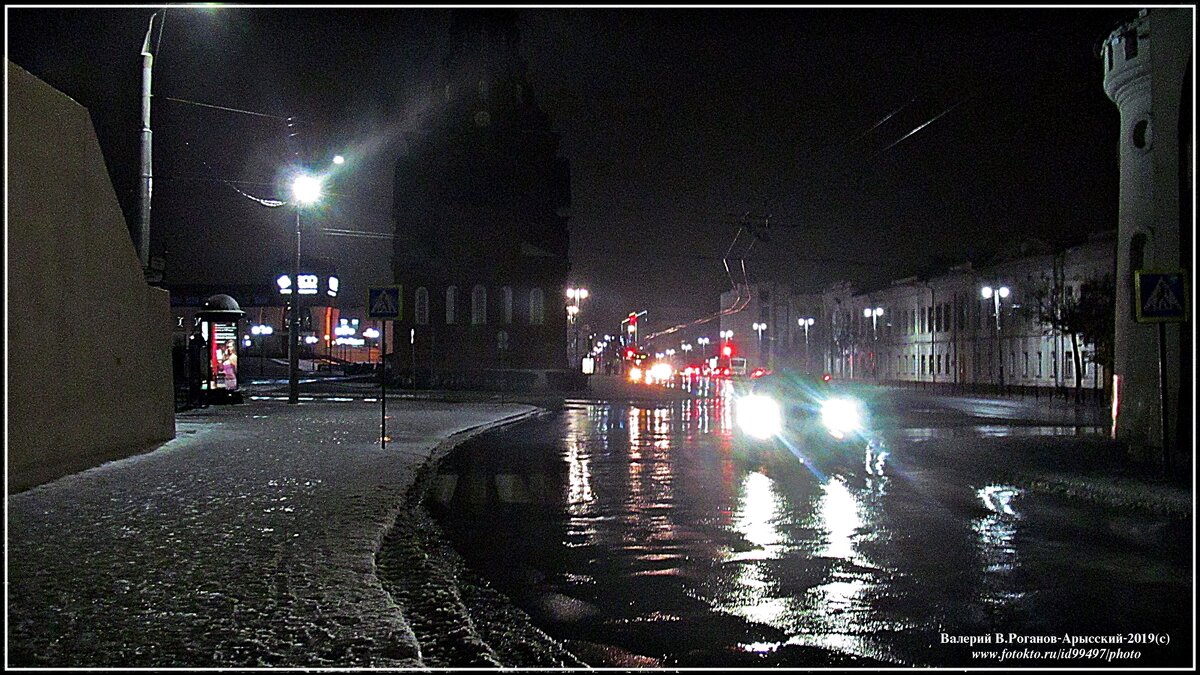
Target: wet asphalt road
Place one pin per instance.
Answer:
(655, 530)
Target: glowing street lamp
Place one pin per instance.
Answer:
(306, 190)
(874, 315)
(806, 323)
(576, 295)
(759, 328)
(261, 331)
(995, 295)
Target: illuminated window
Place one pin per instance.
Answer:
(508, 303)
(537, 310)
(478, 305)
(451, 298)
(422, 306)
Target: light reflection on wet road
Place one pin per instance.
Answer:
(651, 528)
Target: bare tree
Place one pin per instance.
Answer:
(1085, 314)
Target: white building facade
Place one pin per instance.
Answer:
(938, 330)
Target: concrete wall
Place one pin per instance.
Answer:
(89, 344)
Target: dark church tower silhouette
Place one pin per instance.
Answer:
(480, 206)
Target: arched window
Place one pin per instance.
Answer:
(537, 307)
(421, 306)
(451, 298)
(478, 305)
(508, 304)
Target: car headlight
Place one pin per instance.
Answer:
(759, 416)
(841, 416)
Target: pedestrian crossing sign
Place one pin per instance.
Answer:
(1161, 296)
(383, 302)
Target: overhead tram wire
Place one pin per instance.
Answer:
(225, 108)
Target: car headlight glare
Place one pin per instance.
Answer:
(841, 416)
(759, 416)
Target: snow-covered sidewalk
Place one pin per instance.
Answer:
(249, 540)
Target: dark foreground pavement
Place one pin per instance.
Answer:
(251, 540)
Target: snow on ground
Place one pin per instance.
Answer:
(249, 540)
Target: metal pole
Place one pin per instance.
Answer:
(807, 360)
(293, 339)
(999, 345)
(1162, 392)
(383, 388)
(932, 336)
(147, 170)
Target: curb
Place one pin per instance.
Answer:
(420, 570)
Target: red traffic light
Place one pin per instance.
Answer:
(727, 350)
(629, 353)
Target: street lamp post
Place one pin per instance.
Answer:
(759, 328)
(576, 295)
(261, 331)
(806, 323)
(995, 295)
(874, 315)
(305, 190)
(703, 342)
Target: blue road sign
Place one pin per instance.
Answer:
(1161, 296)
(383, 302)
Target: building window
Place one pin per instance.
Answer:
(508, 303)
(478, 305)
(422, 306)
(451, 298)
(1027, 365)
(1054, 364)
(1068, 365)
(537, 309)
(1039, 364)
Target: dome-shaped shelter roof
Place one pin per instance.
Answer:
(220, 306)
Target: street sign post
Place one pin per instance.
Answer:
(1162, 298)
(384, 303)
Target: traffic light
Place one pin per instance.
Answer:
(629, 353)
(727, 350)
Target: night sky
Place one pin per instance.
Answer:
(677, 122)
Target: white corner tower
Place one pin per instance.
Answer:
(1147, 73)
